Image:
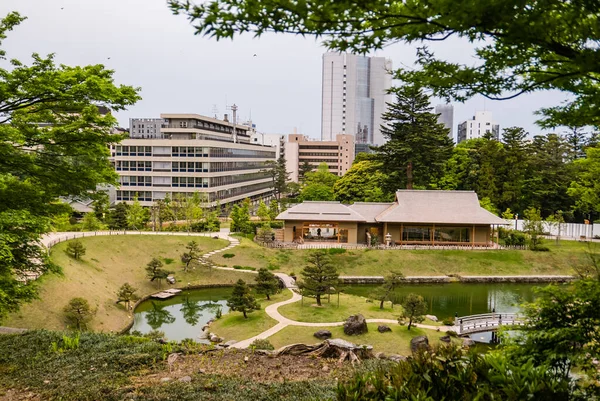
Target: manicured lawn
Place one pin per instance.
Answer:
(233, 326)
(395, 342)
(109, 262)
(308, 311)
(418, 262)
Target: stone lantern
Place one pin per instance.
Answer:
(388, 239)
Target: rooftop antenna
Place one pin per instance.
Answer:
(215, 110)
(234, 109)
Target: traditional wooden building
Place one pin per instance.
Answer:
(416, 217)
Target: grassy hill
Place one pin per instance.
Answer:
(109, 262)
(365, 262)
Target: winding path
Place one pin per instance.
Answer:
(272, 311)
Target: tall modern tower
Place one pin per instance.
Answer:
(446, 117)
(354, 96)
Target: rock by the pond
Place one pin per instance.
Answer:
(380, 355)
(396, 358)
(383, 328)
(467, 342)
(432, 318)
(215, 338)
(204, 335)
(185, 379)
(229, 343)
(419, 343)
(323, 334)
(355, 324)
(445, 339)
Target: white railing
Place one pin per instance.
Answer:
(487, 322)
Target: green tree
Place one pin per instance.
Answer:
(279, 175)
(363, 182)
(92, 223)
(118, 216)
(127, 293)
(101, 205)
(266, 283)
(54, 142)
(321, 175)
(487, 204)
(316, 192)
(265, 233)
(414, 309)
(241, 300)
(385, 292)
(137, 216)
(192, 254)
(557, 220)
(418, 146)
(518, 47)
(514, 170)
(78, 313)
(61, 222)
(534, 226)
(154, 271)
(240, 218)
(75, 249)
(263, 211)
(304, 168)
(585, 188)
(319, 276)
(273, 209)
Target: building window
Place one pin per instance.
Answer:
(183, 124)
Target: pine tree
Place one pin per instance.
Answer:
(266, 283)
(319, 276)
(415, 308)
(193, 253)
(305, 167)
(75, 249)
(154, 271)
(241, 299)
(78, 312)
(513, 170)
(386, 290)
(418, 146)
(126, 294)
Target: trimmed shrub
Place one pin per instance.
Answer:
(540, 248)
(228, 255)
(262, 344)
(448, 321)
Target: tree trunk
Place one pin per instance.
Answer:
(409, 323)
(244, 312)
(318, 300)
(409, 176)
(268, 298)
(381, 304)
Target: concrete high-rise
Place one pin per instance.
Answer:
(481, 123)
(354, 96)
(446, 117)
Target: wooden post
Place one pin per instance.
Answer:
(433, 235)
(401, 232)
(473, 237)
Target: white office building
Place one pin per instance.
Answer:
(354, 96)
(446, 117)
(481, 123)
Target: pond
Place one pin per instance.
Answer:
(182, 316)
(445, 300)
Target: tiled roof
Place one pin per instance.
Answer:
(320, 211)
(370, 210)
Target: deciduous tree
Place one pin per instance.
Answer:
(137, 216)
(364, 182)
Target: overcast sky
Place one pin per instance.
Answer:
(148, 47)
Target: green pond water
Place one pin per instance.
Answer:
(184, 315)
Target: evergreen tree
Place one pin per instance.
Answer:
(319, 276)
(240, 218)
(265, 233)
(415, 308)
(266, 283)
(576, 140)
(78, 312)
(585, 188)
(75, 249)
(118, 216)
(273, 209)
(514, 170)
(241, 300)
(193, 253)
(126, 294)
(154, 271)
(534, 226)
(418, 146)
(385, 292)
(305, 167)
(279, 175)
(92, 223)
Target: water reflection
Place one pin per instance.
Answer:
(158, 315)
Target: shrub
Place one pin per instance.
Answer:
(452, 333)
(228, 255)
(515, 238)
(449, 321)
(540, 248)
(168, 261)
(336, 251)
(262, 344)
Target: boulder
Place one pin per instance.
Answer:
(445, 339)
(383, 328)
(396, 358)
(215, 338)
(323, 334)
(419, 343)
(432, 318)
(185, 379)
(355, 324)
(204, 335)
(467, 342)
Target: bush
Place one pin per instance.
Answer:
(262, 344)
(540, 248)
(228, 255)
(449, 321)
(238, 267)
(515, 238)
(256, 225)
(203, 226)
(336, 251)
(452, 333)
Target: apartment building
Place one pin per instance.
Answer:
(180, 154)
(446, 116)
(338, 154)
(481, 123)
(275, 140)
